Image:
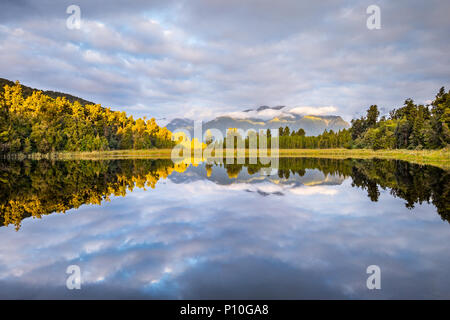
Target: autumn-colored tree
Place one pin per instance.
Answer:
(39, 123)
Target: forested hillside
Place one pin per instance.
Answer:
(27, 91)
(37, 122)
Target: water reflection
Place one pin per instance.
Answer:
(37, 188)
(307, 230)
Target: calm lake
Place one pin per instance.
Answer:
(154, 230)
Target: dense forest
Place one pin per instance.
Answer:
(409, 127)
(32, 188)
(326, 140)
(37, 122)
(291, 140)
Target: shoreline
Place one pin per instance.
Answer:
(439, 158)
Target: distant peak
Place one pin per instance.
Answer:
(261, 108)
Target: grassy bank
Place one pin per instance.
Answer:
(439, 158)
(97, 155)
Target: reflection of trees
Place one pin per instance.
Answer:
(294, 166)
(37, 188)
(233, 170)
(411, 182)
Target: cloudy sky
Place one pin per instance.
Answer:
(201, 58)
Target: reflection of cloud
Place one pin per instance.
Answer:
(306, 191)
(204, 240)
(245, 277)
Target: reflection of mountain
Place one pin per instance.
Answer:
(37, 188)
(233, 174)
(251, 119)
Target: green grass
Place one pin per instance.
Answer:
(97, 155)
(439, 158)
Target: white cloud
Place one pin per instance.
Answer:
(268, 114)
(318, 111)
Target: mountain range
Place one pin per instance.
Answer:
(265, 117)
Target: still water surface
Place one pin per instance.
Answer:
(151, 229)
